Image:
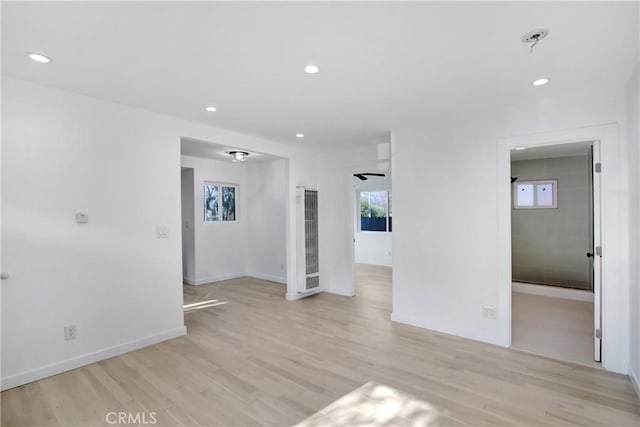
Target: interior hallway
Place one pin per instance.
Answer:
(260, 360)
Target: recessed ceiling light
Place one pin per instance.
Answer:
(540, 82)
(211, 109)
(39, 58)
(311, 69)
(299, 135)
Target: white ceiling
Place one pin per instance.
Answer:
(208, 150)
(551, 151)
(382, 64)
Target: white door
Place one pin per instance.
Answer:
(596, 255)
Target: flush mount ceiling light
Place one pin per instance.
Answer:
(210, 109)
(540, 82)
(534, 37)
(521, 148)
(39, 58)
(238, 156)
(311, 69)
(299, 135)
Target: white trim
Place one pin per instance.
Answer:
(340, 292)
(88, 358)
(213, 279)
(481, 334)
(268, 277)
(615, 277)
(299, 295)
(552, 291)
(353, 218)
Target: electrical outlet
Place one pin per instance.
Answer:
(70, 332)
(489, 312)
(162, 232)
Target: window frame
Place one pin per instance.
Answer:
(535, 184)
(218, 184)
(358, 216)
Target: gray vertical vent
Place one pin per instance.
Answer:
(312, 282)
(307, 237)
(311, 236)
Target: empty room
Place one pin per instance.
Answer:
(320, 213)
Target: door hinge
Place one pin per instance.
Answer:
(599, 250)
(598, 167)
(598, 334)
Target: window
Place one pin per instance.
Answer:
(216, 209)
(375, 210)
(535, 194)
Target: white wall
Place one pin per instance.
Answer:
(220, 247)
(65, 152)
(336, 200)
(372, 247)
(188, 232)
(112, 278)
(633, 139)
(266, 220)
(446, 259)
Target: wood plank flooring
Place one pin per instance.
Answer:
(555, 327)
(257, 359)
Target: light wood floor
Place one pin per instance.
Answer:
(554, 327)
(260, 360)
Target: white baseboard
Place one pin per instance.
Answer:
(298, 295)
(482, 337)
(340, 292)
(21, 378)
(375, 264)
(188, 281)
(213, 279)
(634, 383)
(552, 291)
(270, 278)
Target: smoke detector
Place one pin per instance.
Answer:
(535, 36)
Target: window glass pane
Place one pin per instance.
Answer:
(545, 194)
(524, 195)
(373, 210)
(228, 203)
(210, 202)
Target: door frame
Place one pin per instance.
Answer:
(351, 214)
(614, 235)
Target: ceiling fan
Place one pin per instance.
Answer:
(363, 176)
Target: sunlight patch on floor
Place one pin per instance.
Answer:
(202, 304)
(375, 405)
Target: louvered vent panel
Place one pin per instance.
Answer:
(311, 233)
(313, 282)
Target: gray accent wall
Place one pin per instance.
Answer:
(549, 246)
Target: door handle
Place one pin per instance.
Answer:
(589, 255)
(4, 276)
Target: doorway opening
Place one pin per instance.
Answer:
(372, 234)
(234, 223)
(555, 251)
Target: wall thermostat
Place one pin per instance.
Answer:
(82, 218)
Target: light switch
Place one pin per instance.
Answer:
(82, 217)
(162, 232)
